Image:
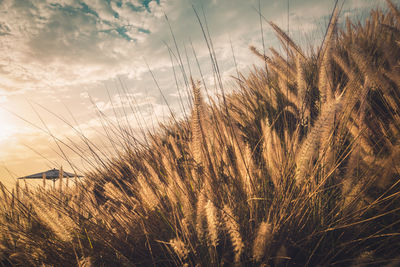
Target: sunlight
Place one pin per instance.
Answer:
(5, 128)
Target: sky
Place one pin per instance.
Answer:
(64, 63)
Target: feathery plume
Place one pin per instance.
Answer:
(197, 123)
(212, 222)
(61, 225)
(262, 241)
(325, 85)
(285, 39)
(200, 213)
(233, 229)
(257, 53)
(282, 63)
(324, 78)
(308, 149)
(272, 153)
(179, 247)
(301, 88)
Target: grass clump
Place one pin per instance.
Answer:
(298, 166)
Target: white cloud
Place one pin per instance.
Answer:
(62, 43)
(3, 99)
(84, 95)
(70, 42)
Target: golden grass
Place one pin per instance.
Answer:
(298, 166)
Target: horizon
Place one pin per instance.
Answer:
(77, 58)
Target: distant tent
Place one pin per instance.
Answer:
(53, 174)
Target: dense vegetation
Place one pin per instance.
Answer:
(298, 166)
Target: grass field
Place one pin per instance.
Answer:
(299, 166)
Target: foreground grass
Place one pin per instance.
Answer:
(299, 166)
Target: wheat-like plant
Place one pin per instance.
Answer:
(298, 166)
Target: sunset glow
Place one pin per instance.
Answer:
(5, 126)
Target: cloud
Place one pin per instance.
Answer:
(68, 42)
(3, 99)
(55, 44)
(84, 95)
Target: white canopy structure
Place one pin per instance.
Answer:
(53, 174)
